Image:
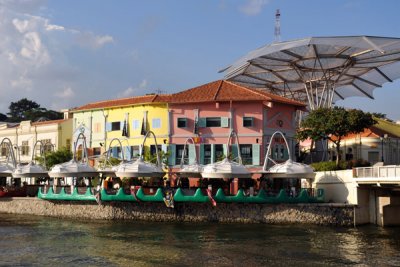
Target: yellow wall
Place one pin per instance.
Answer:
(154, 111)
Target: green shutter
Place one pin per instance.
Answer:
(256, 154)
(224, 122)
(202, 122)
(234, 151)
(225, 148)
(201, 153)
(212, 153)
(285, 153)
(192, 153)
(108, 126)
(172, 155)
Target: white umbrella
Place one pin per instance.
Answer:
(320, 70)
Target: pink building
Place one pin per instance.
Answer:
(209, 112)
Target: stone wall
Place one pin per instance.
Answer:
(321, 214)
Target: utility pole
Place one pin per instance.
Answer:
(277, 26)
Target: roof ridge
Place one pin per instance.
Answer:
(218, 89)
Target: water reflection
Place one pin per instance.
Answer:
(48, 241)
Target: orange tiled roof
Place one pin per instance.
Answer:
(124, 102)
(227, 91)
(47, 122)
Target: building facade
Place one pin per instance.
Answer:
(53, 134)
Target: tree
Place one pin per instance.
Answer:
(3, 117)
(55, 157)
(333, 124)
(19, 108)
(25, 109)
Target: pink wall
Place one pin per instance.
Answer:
(217, 134)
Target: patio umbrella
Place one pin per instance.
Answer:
(320, 70)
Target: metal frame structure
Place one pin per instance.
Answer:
(320, 70)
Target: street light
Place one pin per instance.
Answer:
(383, 137)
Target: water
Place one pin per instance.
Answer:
(41, 241)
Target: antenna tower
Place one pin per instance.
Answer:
(277, 26)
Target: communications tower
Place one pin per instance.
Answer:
(277, 26)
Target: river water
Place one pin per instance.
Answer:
(42, 241)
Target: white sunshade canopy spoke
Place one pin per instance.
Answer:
(320, 70)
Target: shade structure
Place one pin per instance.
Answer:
(138, 168)
(225, 169)
(73, 168)
(191, 170)
(290, 169)
(30, 170)
(6, 170)
(287, 169)
(320, 70)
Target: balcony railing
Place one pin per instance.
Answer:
(390, 171)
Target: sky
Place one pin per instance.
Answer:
(66, 53)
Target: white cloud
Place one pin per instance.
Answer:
(130, 91)
(65, 93)
(35, 59)
(88, 39)
(253, 7)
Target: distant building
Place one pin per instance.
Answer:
(54, 134)
(379, 143)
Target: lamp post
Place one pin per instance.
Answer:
(383, 137)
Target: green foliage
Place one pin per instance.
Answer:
(343, 165)
(25, 109)
(3, 117)
(56, 157)
(153, 157)
(333, 124)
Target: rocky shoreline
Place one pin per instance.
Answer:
(319, 214)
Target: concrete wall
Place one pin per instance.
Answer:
(321, 214)
(339, 186)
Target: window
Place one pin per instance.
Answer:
(68, 144)
(178, 154)
(116, 126)
(156, 123)
(4, 150)
(207, 154)
(219, 152)
(248, 122)
(246, 153)
(25, 148)
(97, 127)
(96, 151)
(47, 146)
(135, 151)
(182, 123)
(135, 124)
(213, 122)
(153, 150)
(373, 157)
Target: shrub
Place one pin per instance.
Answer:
(343, 165)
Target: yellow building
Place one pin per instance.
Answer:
(125, 119)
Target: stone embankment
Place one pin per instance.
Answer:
(321, 214)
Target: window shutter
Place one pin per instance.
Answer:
(201, 153)
(172, 154)
(234, 151)
(285, 152)
(114, 152)
(256, 154)
(192, 153)
(224, 122)
(108, 126)
(164, 148)
(127, 152)
(212, 153)
(121, 125)
(225, 148)
(202, 122)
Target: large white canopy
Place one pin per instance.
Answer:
(320, 70)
